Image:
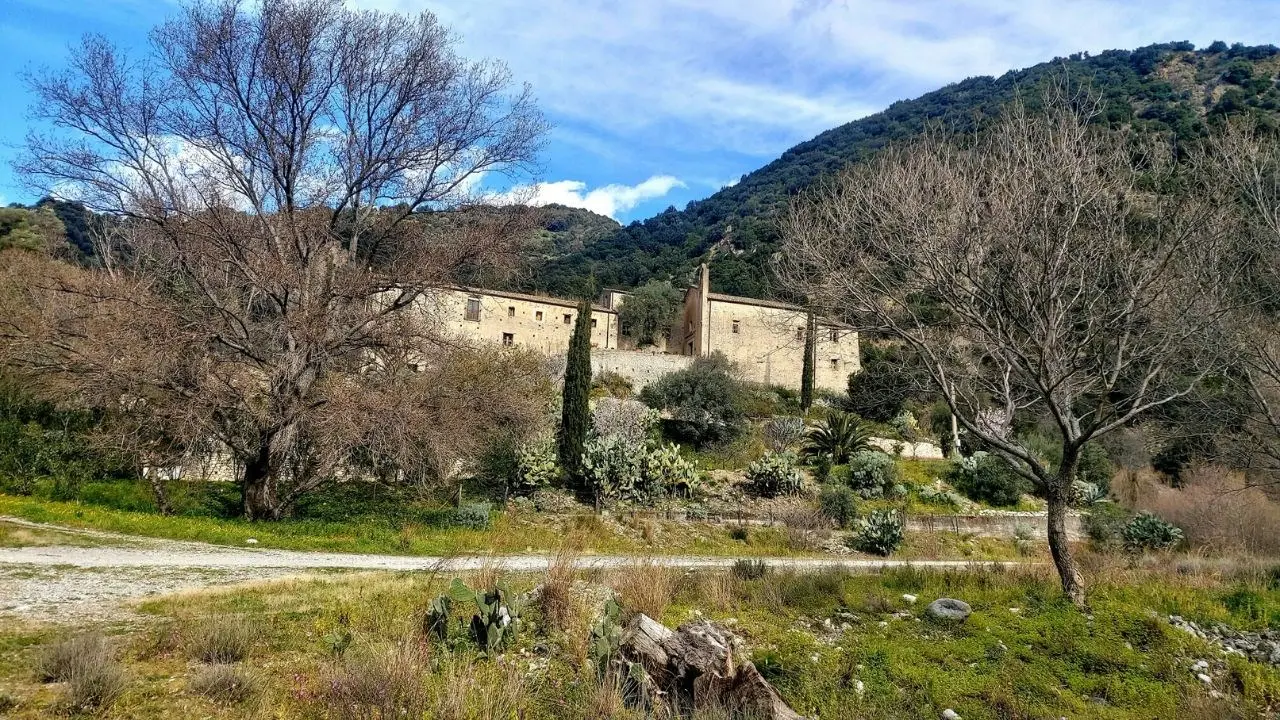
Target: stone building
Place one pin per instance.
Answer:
(764, 338)
(533, 321)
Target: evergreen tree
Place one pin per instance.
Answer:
(575, 419)
(806, 372)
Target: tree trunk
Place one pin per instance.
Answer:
(259, 486)
(1059, 497)
(158, 490)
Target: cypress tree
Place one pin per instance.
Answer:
(806, 373)
(575, 418)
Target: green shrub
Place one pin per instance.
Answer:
(475, 516)
(879, 533)
(873, 474)
(705, 401)
(885, 383)
(839, 504)
(1148, 532)
(127, 495)
(988, 478)
(739, 533)
(773, 475)
(1095, 467)
(937, 496)
(59, 661)
(1103, 524)
(749, 569)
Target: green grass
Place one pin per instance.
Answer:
(1024, 653)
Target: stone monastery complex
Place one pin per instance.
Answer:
(765, 339)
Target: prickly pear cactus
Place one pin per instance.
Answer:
(606, 639)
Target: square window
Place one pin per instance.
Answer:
(593, 322)
(835, 336)
(511, 312)
(568, 319)
(800, 333)
(736, 327)
(835, 363)
(508, 339)
(473, 309)
(538, 316)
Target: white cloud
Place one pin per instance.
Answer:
(610, 200)
(755, 76)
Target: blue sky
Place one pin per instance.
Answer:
(659, 102)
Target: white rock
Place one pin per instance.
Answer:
(950, 714)
(251, 541)
(883, 624)
(1200, 666)
(909, 598)
(1204, 678)
(1015, 611)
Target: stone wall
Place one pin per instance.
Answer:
(641, 368)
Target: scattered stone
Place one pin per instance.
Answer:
(950, 714)
(1261, 647)
(910, 598)
(251, 541)
(1200, 666)
(859, 688)
(1015, 611)
(1204, 678)
(949, 609)
(883, 624)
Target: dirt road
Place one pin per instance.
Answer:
(70, 583)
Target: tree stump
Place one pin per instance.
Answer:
(696, 667)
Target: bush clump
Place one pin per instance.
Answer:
(223, 684)
(879, 533)
(705, 401)
(475, 516)
(873, 474)
(616, 469)
(84, 662)
(838, 437)
(839, 504)
(222, 639)
(773, 475)
(1148, 532)
(988, 478)
(749, 569)
(1104, 523)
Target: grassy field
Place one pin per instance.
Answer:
(513, 531)
(836, 645)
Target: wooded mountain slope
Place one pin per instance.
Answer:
(1168, 88)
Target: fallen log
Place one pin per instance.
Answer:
(695, 667)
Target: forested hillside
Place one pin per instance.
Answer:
(1169, 88)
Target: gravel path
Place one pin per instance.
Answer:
(63, 583)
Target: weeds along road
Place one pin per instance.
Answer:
(95, 574)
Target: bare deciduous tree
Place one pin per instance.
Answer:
(273, 165)
(1045, 267)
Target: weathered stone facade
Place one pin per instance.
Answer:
(765, 339)
(541, 323)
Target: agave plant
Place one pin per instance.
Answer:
(839, 436)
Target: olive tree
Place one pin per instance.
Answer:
(1044, 266)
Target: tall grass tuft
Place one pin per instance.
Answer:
(378, 684)
(224, 684)
(646, 587)
(556, 600)
(84, 662)
(221, 639)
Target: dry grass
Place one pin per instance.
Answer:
(377, 683)
(84, 662)
(486, 576)
(719, 590)
(224, 684)
(469, 690)
(557, 600)
(221, 639)
(1217, 510)
(646, 587)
